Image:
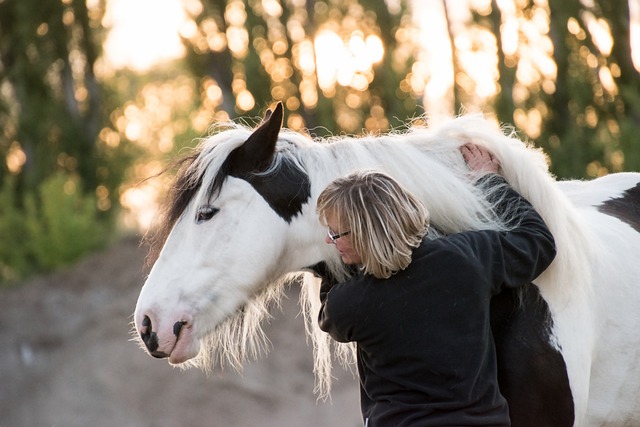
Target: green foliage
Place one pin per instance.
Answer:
(52, 229)
(589, 108)
(14, 262)
(58, 199)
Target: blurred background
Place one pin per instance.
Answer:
(96, 96)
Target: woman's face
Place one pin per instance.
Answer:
(344, 244)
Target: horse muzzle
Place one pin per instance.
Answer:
(174, 341)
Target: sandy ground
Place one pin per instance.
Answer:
(66, 361)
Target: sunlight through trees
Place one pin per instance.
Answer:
(104, 110)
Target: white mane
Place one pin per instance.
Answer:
(427, 161)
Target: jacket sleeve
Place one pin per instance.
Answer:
(322, 271)
(522, 253)
(332, 315)
(339, 310)
(333, 318)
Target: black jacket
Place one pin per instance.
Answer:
(426, 354)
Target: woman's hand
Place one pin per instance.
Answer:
(479, 159)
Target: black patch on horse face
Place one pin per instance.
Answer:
(625, 208)
(275, 176)
(285, 190)
(532, 374)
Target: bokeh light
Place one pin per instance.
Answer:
(335, 54)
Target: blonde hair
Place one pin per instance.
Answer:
(386, 221)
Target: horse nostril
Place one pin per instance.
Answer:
(150, 341)
(150, 338)
(147, 328)
(177, 327)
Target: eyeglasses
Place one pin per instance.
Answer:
(336, 236)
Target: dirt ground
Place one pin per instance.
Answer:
(66, 360)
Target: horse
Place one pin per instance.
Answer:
(239, 225)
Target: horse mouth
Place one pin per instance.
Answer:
(159, 354)
(184, 350)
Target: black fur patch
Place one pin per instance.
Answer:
(532, 373)
(285, 190)
(625, 208)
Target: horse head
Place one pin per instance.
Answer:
(238, 207)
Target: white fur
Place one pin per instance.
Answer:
(243, 257)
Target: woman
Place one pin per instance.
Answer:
(418, 309)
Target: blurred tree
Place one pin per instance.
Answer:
(51, 113)
(350, 66)
(343, 65)
(50, 97)
(561, 71)
(567, 80)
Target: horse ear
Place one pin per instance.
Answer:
(267, 115)
(257, 151)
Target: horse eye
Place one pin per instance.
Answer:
(205, 213)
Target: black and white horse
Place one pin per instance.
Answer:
(240, 220)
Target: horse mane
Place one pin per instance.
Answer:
(455, 205)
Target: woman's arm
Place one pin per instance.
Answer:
(521, 254)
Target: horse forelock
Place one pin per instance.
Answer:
(199, 174)
(176, 200)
